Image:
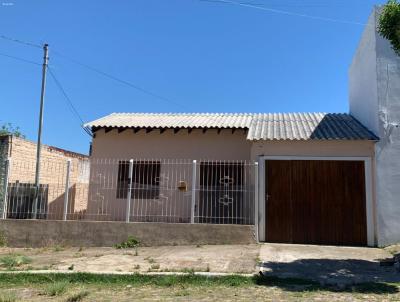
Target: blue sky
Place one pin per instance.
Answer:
(202, 56)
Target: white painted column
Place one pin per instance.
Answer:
(194, 182)
(129, 197)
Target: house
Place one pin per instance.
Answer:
(315, 178)
(21, 154)
(310, 178)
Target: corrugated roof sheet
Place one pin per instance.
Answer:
(261, 126)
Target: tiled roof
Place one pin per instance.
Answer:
(261, 126)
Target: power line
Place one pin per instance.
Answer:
(289, 13)
(21, 42)
(19, 59)
(69, 102)
(117, 79)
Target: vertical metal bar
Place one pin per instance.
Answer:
(66, 194)
(128, 199)
(6, 177)
(193, 191)
(256, 199)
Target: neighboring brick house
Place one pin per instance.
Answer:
(22, 155)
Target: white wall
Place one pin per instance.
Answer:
(375, 101)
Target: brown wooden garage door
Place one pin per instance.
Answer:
(315, 202)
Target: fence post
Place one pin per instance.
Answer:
(128, 199)
(66, 190)
(194, 182)
(256, 198)
(5, 196)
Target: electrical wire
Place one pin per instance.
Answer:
(69, 102)
(125, 82)
(20, 42)
(289, 13)
(19, 59)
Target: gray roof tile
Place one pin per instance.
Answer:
(261, 126)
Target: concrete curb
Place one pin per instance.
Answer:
(205, 274)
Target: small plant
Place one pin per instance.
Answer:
(155, 266)
(8, 297)
(12, 261)
(150, 260)
(389, 24)
(208, 268)
(58, 248)
(78, 296)
(136, 266)
(130, 243)
(79, 255)
(71, 267)
(56, 288)
(188, 270)
(3, 239)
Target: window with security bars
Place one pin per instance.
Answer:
(145, 179)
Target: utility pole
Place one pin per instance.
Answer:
(39, 140)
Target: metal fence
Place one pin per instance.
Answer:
(132, 190)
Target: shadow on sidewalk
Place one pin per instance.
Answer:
(350, 275)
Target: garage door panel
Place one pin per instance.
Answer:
(278, 203)
(326, 201)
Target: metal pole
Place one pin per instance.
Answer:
(256, 199)
(5, 200)
(39, 140)
(66, 189)
(129, 197)
(194, 182)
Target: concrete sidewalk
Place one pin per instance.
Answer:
(330, 265)
(326, 264)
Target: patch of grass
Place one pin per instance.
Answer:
(130, 243)
(183, 292)
(12, 261)
(78, 296)
(3, 239)
(8, 297)
(56, 288)
(188, 270)
(138, 280)
(79, 255)
(58, 248)
(150, 260)
(136, 266)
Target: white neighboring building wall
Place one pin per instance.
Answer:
(375, 101)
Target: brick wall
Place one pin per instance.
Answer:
(53, 172)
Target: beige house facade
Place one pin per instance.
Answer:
(256, 139)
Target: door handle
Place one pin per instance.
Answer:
(267, 196)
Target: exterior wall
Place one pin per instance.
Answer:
(196, 145)
(381, 112)
(109, 148)
(363, 88)
(53, 173)
(312, 148)
(42, 233)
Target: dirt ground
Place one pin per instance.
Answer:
(211, 258)
(331, 266)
